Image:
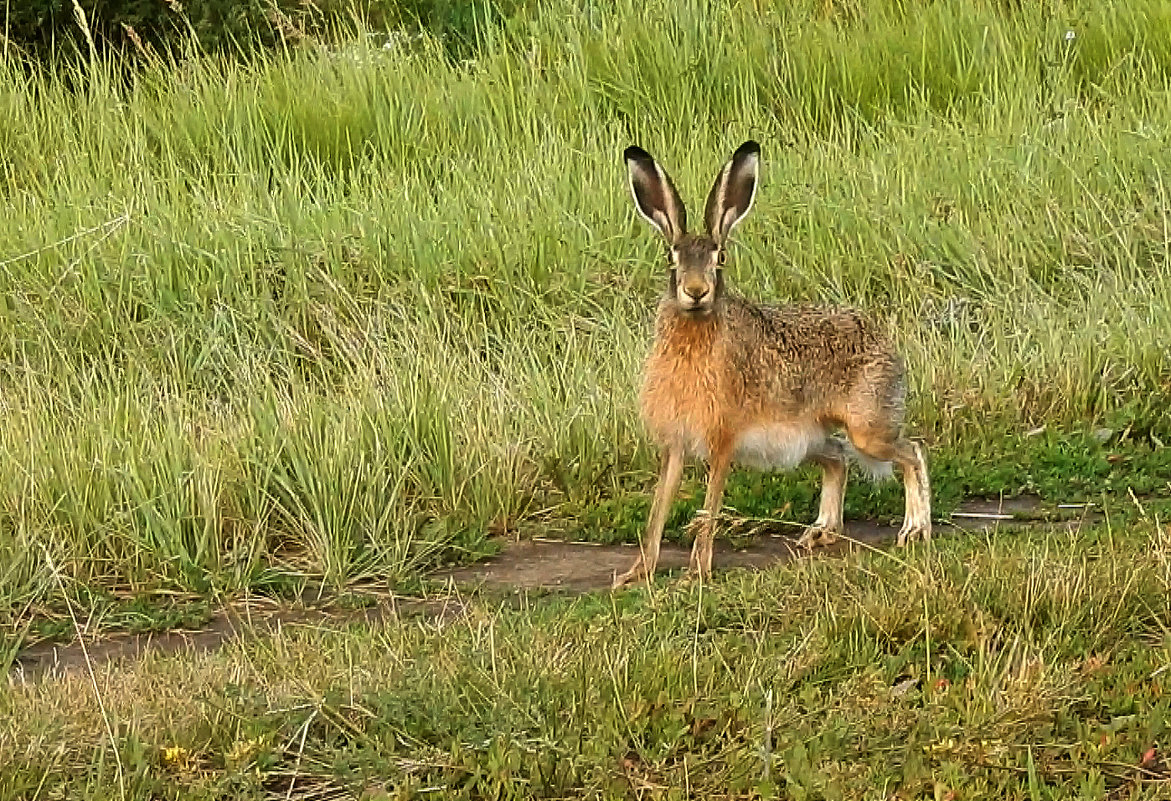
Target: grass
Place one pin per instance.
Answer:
(343, 313)
(347, 312)
(1014, 666)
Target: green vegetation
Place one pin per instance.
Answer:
(142, 29)
(1015, 668)
(345, 312)
(340, 313)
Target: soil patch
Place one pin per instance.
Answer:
(533, 565)
(243, 620)
(540, 564)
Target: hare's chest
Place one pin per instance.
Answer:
(683, 398)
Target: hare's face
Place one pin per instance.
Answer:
(696, 273)
(696, 260)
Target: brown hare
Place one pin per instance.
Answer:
(728, 380)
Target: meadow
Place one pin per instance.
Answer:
(353, 310)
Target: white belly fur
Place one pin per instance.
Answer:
(778, 446)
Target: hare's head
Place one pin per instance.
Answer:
(696, 260)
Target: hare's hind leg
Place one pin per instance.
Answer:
(831, 455)
(909, 456)
(670, 473)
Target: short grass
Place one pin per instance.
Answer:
(1017, 667)
(346, 311)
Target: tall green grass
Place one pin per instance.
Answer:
(345, 309)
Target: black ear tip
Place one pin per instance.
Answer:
(636, 153)
(749, 148)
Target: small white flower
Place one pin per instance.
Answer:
(1069, 35)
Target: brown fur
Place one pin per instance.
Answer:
(730, 380)
(745, 364)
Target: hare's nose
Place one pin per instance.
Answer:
(695, 291)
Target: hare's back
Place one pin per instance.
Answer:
(819, 355)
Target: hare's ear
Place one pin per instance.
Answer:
(731, 196)
(655, 195)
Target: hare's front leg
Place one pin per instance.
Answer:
(701, 553)
(670, 472)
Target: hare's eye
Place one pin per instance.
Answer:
(721, 257)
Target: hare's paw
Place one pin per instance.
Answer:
(816, 536)
(914, 530)
(636, 573)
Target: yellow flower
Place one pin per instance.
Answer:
(175, 756)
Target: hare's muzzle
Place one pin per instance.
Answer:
(695, 295)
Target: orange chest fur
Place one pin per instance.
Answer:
(685, 386)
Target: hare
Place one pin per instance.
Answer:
(728, 380)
